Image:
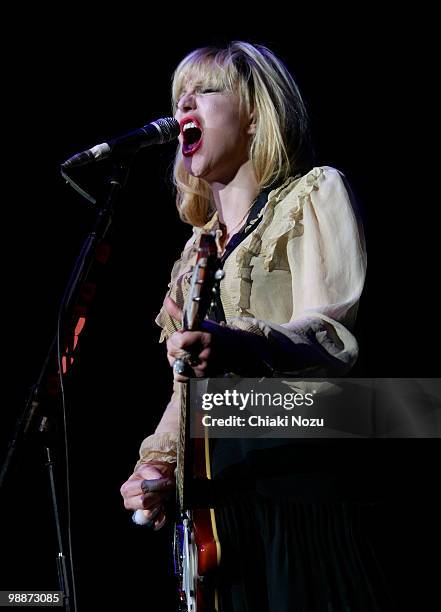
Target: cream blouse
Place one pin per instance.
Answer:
(296, 279)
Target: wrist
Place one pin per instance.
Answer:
(240, 352)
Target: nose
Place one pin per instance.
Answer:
(187, 102)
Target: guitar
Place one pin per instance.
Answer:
(196, 544)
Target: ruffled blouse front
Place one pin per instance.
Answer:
(300, 271)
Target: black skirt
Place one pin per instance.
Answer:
(293, 525)
(288, 556)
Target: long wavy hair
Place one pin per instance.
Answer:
(281, 145)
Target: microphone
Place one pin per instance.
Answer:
(157, 132)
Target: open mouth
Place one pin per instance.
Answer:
(191, 135)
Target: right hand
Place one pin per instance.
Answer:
(151, 501)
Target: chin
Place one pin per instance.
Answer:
(194, 168)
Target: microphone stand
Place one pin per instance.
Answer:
(49, 385)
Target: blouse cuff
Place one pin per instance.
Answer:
(158, 447)
(247, 324)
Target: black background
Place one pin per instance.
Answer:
(77, 83)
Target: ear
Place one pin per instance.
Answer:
(252, 124)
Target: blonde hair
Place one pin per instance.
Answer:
(281, 145)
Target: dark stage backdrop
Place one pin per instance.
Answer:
(72, 91)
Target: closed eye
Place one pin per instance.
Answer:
(198, 90)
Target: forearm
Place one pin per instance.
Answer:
(169, 422)
(161, 445)
(314, 345)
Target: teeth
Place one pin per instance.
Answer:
(189, 125)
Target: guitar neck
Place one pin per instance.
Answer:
(182, 449)
(204, 286)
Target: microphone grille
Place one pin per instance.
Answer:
(168, 128)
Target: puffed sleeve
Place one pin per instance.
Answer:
(327, 262)
(178, 287)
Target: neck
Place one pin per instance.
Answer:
(233, 199)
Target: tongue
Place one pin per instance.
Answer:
(190, 146)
